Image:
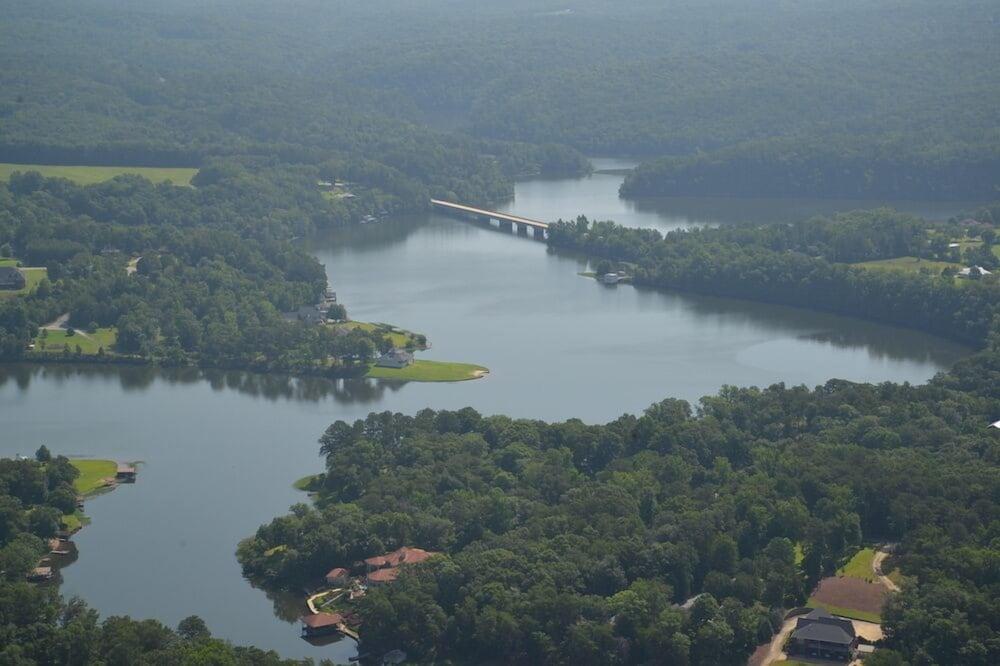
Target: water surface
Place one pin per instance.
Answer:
(220, 450)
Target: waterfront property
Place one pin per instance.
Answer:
(395, 358)
(821, 635)
(383, 576)
(308, 314)
(39, 574)
(125, 473)
(321, 624)
(338, 576)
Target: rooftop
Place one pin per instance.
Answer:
(321, 620)
(384, 575)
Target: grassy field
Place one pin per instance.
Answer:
(92, 472)
(56, 341)
(32, 276)
(400, 338)
(88, 175)
(906, 265)
(860, 566)
(800, 554)
(430, 371)
(864, 616)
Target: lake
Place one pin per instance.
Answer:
(220, 450)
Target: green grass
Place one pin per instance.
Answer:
(32, 276)
(305, 483)
(800, 554)
(859, 566)
(8, 261)
(846, 612)
(906, 265)
(400, 338)
(88, 175)
(56, 341)
(92, 472)
(790, 662)
(71, 522)
(430, 371)
(996, 250)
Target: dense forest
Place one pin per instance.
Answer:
(809, 167)
(462, 96)
(577, 544)
(809, 264)
(215, 272)
(568, 543)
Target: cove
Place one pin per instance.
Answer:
(220, 450)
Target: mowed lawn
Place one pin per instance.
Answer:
(55, 341)
(32, 276)
(906, 265)
(400, 339)
(88, 175)
(430, 371)
(92, 474)
(860, 566)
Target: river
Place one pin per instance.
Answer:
(220, 450)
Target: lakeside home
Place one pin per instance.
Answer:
(125, 473)
(321, 624)
(395, 358)
(338, 576)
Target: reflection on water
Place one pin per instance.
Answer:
(222, 448)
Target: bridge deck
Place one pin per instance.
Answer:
(491, 213)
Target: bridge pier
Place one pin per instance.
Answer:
(506, 225)
(482, 219)
(538, 234)
(522, 229)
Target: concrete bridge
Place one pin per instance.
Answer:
(506, 222)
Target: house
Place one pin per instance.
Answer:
(819, 634)
(39, 574)
(321, 624)
(385, 568)
(125, 473)
(404, 555)
(11, 278)
(395, 358)
(338, 576)
(383, 576)
(972, 272)
(59, 547)
(308, 314)
(995, 425)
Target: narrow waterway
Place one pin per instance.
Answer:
(220, 450)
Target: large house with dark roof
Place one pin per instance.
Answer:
(819, 634)
(11, 278)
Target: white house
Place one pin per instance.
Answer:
(973, 270)
(395, 358)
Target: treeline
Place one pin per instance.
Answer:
(576, 544)
(826, 167)
(168, 93)
(215, 270)
(801, 265)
